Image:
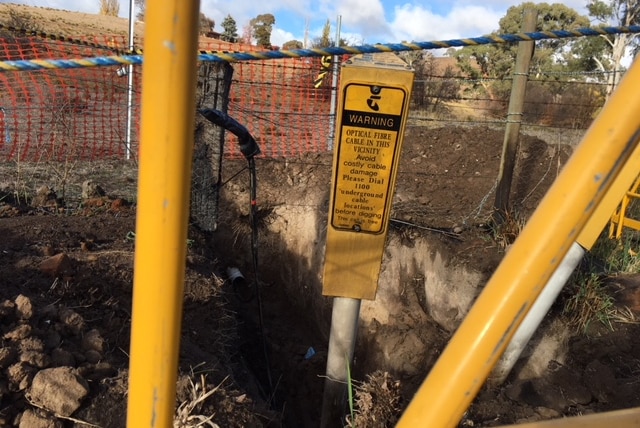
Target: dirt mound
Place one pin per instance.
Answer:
(66, 269)
(67, 328)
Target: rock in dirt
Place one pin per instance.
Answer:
(45, 197)
(7, 210)
(56, 266)
(93, 341)
(37, 419)
(71, 320)
(118, 204)
(19, 376)
(91, 190)
(20, 332)
(547, 413)
(24, 308)
(59, 390)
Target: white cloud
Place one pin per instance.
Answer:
(72, 5)
(415, 23)
(363, 21)
(243, 11)
(280, 37)
(365, 17)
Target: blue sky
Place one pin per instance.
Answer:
(363, 21)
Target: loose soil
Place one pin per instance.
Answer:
(66, 268)
(62, 22)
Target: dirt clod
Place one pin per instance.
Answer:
(56, 266)
(22, 331)
(35, 418)
(45, 197)
(72, 320)
(93, 341)
(24, 308)
(59, 390)
(91, 189)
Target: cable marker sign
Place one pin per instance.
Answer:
(373, 105)
(367, 148)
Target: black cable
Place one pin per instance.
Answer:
(253, 217)
(249, 149)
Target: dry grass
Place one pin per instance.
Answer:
(377, 402)
(188, 413)
(593, 302)
(506, 232)
(68, 23)
(590, 303)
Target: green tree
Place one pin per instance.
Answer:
(292, 44)
(324, 40)
(205, 24)
(607, 52)
(433, 84)
(496, 61)
(109, 7)
(140, 4)
(262, 26)
(412, 57)
(230, 30)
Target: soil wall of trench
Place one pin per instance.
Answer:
(428, 278)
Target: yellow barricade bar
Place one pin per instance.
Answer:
(629, 418)
(481, 339)
(167, 123)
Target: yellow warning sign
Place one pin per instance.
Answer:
(373, 104)
(368, 141)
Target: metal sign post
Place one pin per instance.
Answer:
(374, 100)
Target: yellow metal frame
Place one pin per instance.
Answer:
(619, 219)
(481, 339)
(165, 170)
(628, 418)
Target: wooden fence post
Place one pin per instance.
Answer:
(214, 83)
(514, 117)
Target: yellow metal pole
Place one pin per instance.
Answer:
(618, 191)
(628, 418)
(168, 109)
(482, 337)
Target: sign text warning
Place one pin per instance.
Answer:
(367, 145)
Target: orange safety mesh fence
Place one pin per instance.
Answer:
(82, 113)
(279, 104)
(63, 113)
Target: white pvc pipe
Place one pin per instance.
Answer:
(537, 312)
(130, 82)
(342, 342)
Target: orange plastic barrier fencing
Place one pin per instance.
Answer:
(58, 114)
